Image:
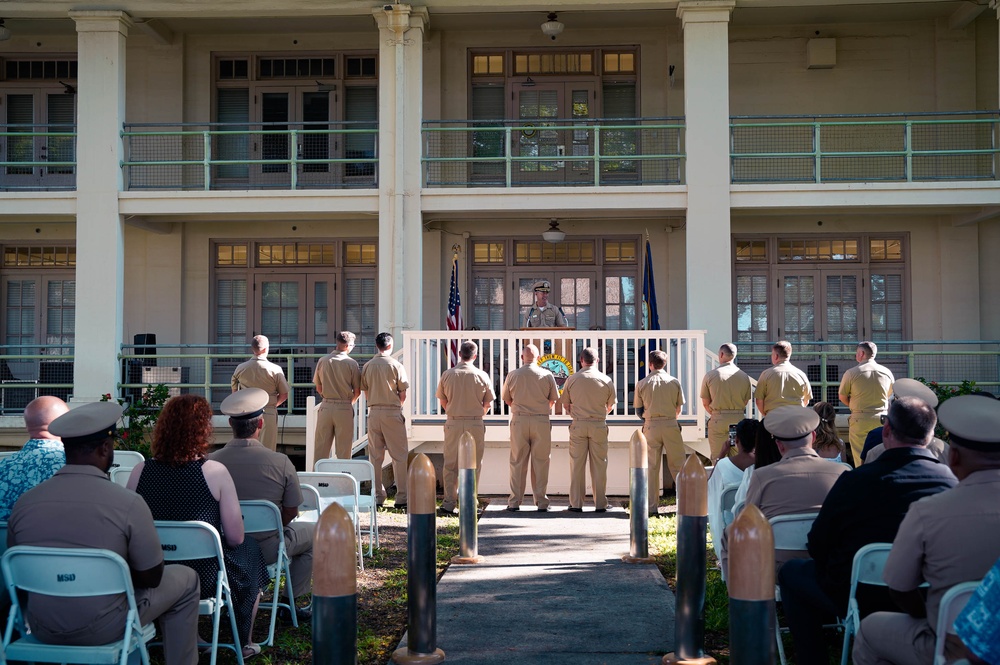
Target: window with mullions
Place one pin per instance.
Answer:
(38, 284)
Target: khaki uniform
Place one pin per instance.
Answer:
(260, 474)
(80, 507)
(339, 376)
(867, 387)
(944, 539)
(660, 395)
(549, 316)
(382, 379)
(783, 385)
(727, 388)
(530, 388)
(465, 387)
(262, 373)
(589, 393)
(797, 483)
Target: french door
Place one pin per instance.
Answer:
(546, 114)
(33, 120)
(820, 305)
(309, 112)
(574, 291)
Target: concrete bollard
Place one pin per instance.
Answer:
(421, 555)
(692, 526)
(335, 589)
(638, 551)
(751, 589)
(468, 503)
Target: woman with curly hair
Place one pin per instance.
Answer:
(827, 443)
(180, 484)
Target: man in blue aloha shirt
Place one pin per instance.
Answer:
(979, 623)
(40, 457)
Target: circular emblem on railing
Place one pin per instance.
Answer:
(559, 366)
(529, 131)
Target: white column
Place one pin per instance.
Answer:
(100, 253)
(706, 112)
(401, 37)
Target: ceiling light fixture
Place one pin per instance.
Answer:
(5, 32)
(552, 27)
(554, 234)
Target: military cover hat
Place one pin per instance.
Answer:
(791, 422)
(542, 285)
(245, 404)
(973, 421)
(90, 422)
(913, 388)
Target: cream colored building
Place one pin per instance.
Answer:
(206, 171)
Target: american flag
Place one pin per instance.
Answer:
(454, 309)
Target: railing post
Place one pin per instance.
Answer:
(335, 589)
(818, 151)
(208, 378)
(206, 159)
(597, 155)
(507, 153)
(293, 151)
(908, 147)
(822, 373)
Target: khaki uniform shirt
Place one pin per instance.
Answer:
(80, 507)
(727, 388)
(797, 483)
(947, 538)
(465, 387)
(259, 473)
(783, 385)
(261, 373)
(383, 378)
(659, 394)
(339, 375)
(549, 316)
(867, 387)
(529, 389)
(589, 393)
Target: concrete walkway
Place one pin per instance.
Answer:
(553, 589)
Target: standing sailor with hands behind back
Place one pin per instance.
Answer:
(543, 314)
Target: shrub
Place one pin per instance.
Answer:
(139, 418)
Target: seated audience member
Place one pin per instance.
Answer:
(799, 482)
(40, 457)
(944, 539)
(827, 444)
(765, 453)
(179, 483)
(729, 470)
(901, 388)
(864, 506)
(978, 626)
(80, 507)
(262, 474)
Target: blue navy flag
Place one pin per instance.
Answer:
(650, 317)
(454, 319)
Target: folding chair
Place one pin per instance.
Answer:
(339, 488)
(264, 517)
(727, 497)
(189, 541)
(126, 459)
(952, 603)
(791, 532)
(363, 470)
(70, 573)
(120, 475)
(869, 562)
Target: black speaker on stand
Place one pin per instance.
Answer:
(145, 345)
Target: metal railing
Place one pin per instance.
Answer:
(553, 152)
(28, 371)
(221, 156)
(918, 147)
(37, 157)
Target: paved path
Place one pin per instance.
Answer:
(553, 589)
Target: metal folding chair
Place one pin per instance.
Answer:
(264, 517)
(363, 470)
(952, 604)
(791, 532)
(339, 488)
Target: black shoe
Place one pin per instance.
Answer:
(445, 512)
(512, 509)
(303, 614)
(600, 510)
(543, 510)
(575, 510)
(400, 506)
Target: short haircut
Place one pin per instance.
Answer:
(468, 350)
(244, 428)
(588, 355)
(530, 350)
(258, 343)
(728, 349)
(345, 337)
(800, 442)
(869, 348)
(746, 434)
(657, 359)
(783, 348)
(912, 421)
(383, 341)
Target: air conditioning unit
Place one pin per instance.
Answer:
(166, 375)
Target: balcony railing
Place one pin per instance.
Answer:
(222, 156)
(28, 371)
(871, 148)
(37, 157)
(593, 152)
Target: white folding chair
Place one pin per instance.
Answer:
(190, 541)
(869, 562)
(363, 470)
(791, 532)
(952, 603)
(120, 475)
(339, 488)
(70, 573)
(126, 459)
(727, 497)
(264, 517)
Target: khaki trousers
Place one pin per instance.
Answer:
(893, 637)
(334, 419)
(299, 545)
(663, 436)
(718, 432)
(588, 441)
(269, 434)
(860, 424)
(387, 431)
(530, 440)
(454, 428)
